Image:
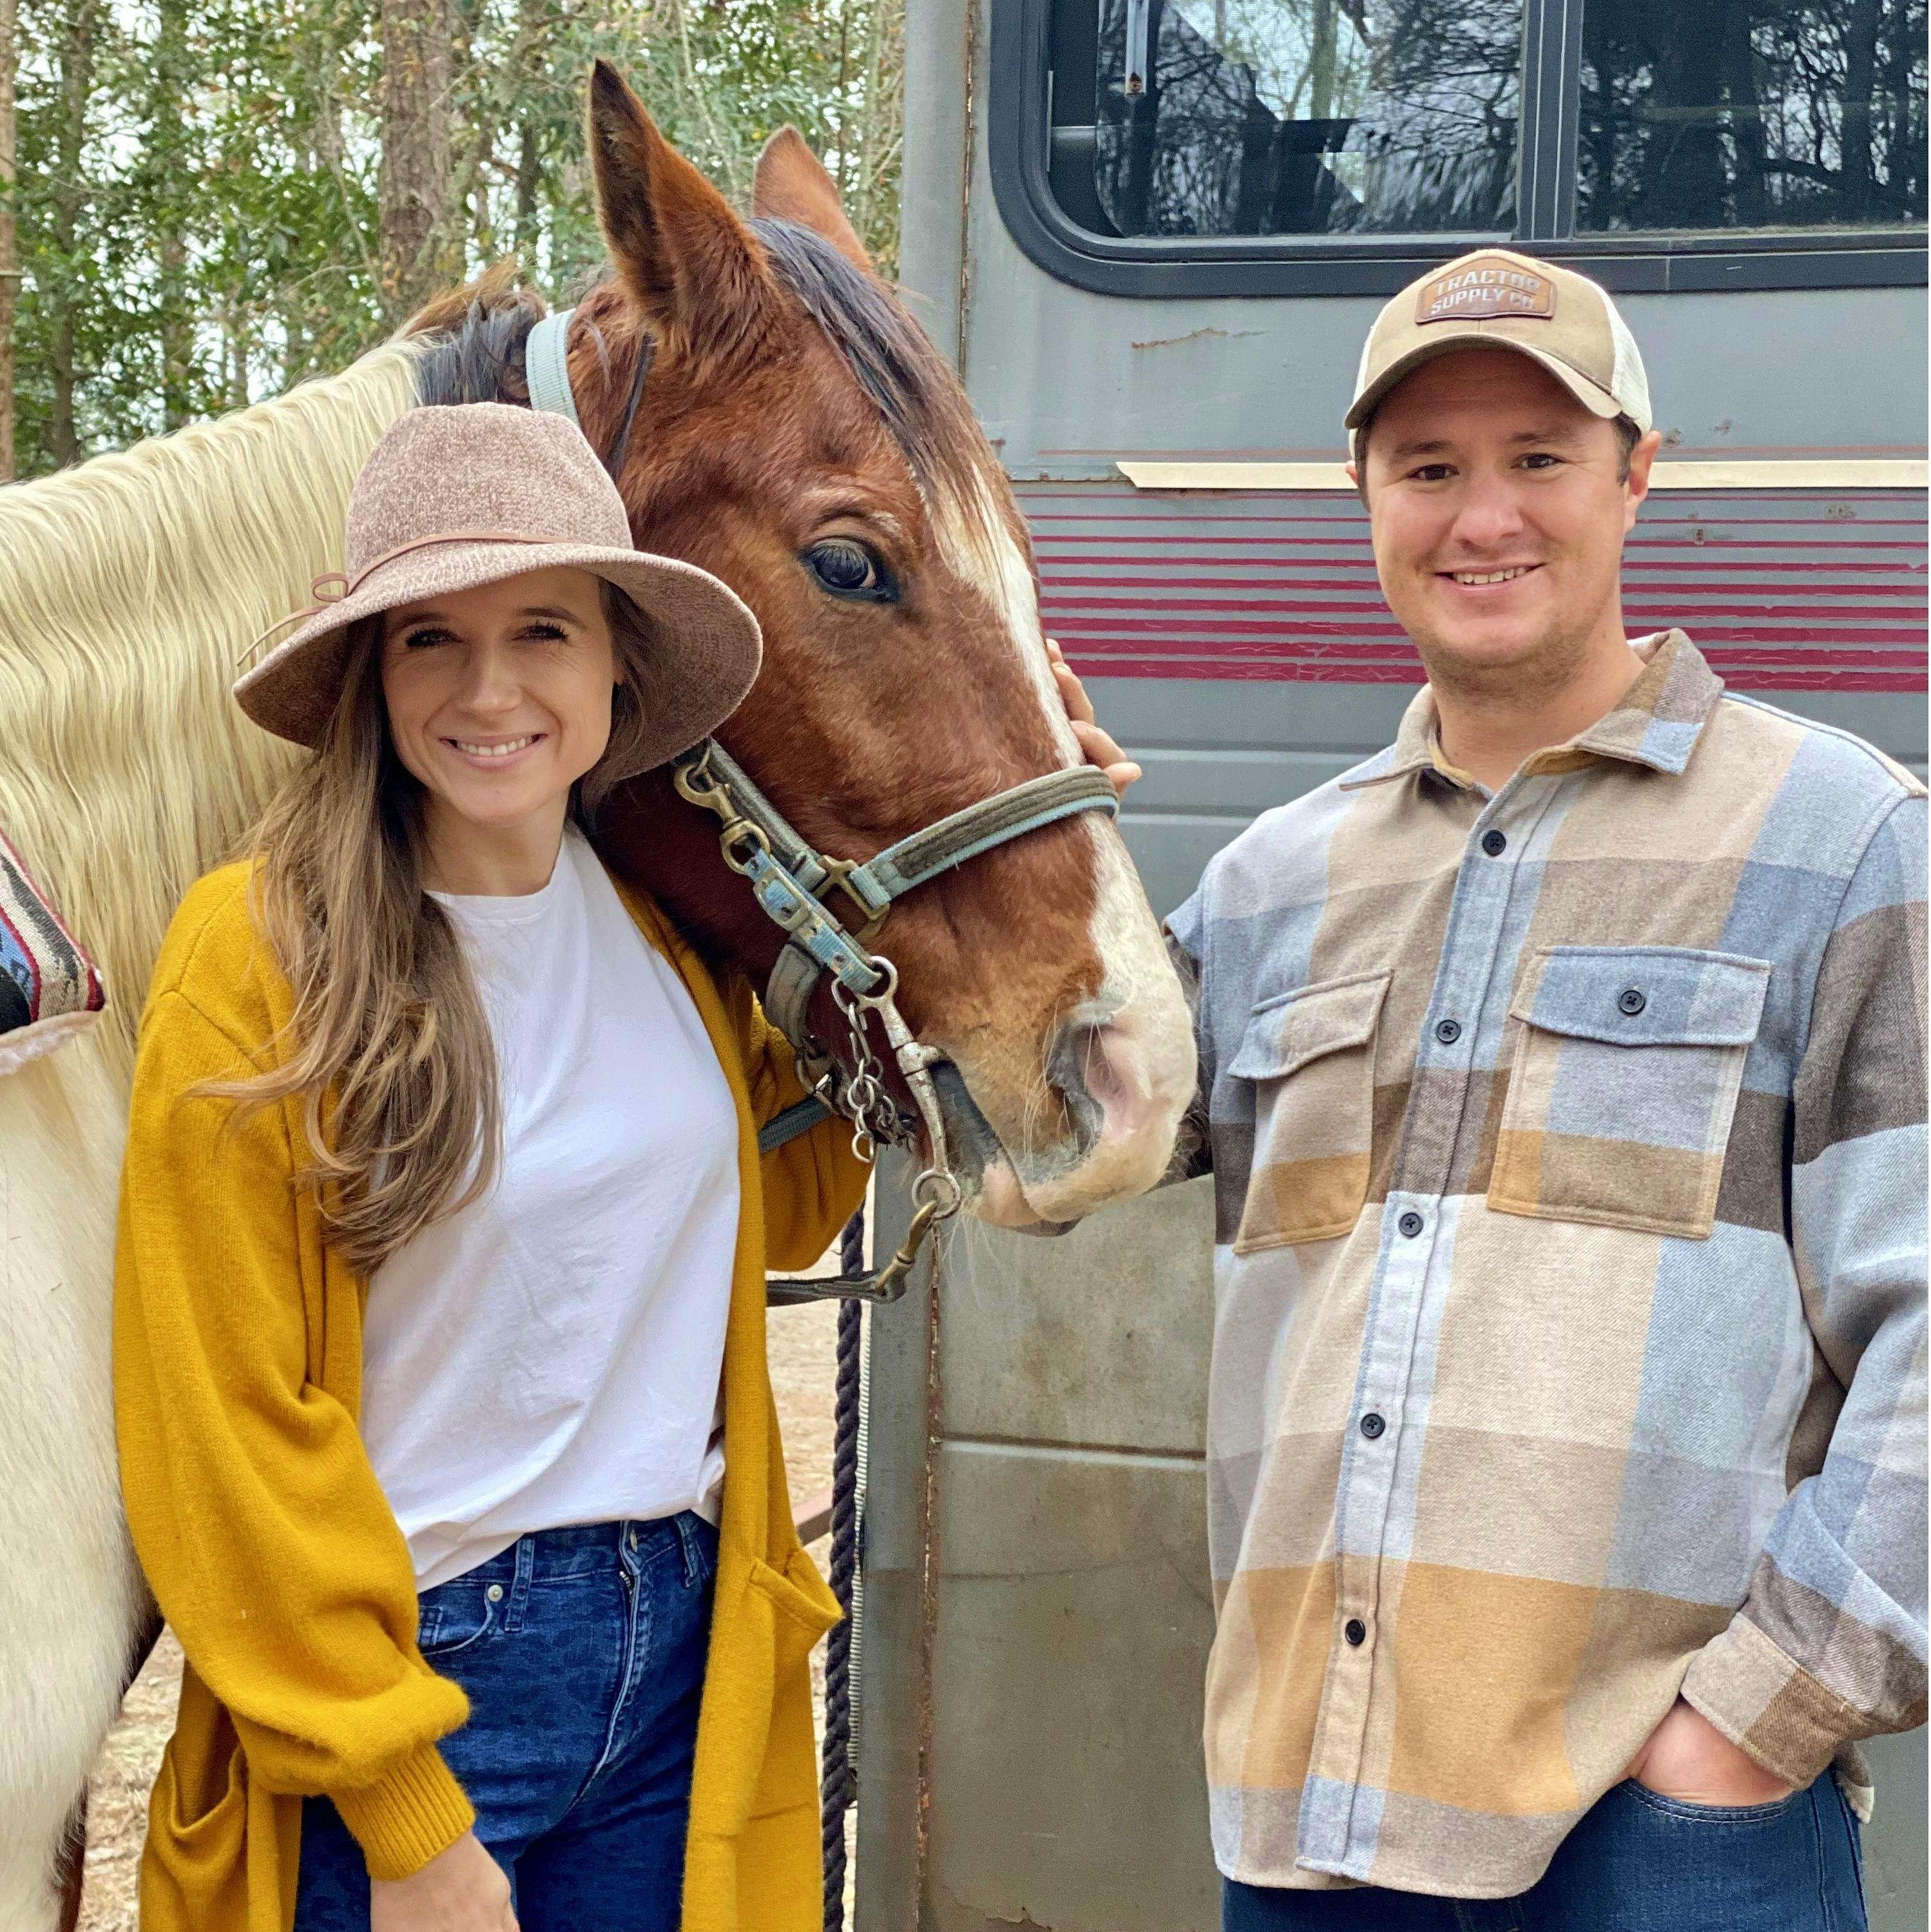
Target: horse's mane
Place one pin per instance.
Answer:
(129, 587)
(908, 382)
(917, 394)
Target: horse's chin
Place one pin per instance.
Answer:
(1001, 1202)
(1053, 1201)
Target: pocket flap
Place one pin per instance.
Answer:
(1284, 1034)
(1645, 995)
(798, 1591)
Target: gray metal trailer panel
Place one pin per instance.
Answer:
(1037, 1597)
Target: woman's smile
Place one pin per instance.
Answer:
(495, 754)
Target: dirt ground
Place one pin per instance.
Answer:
(803, 1362)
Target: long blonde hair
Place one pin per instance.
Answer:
(389, 1047)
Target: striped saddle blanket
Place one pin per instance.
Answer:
(50, 989)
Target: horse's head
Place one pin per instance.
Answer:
(800, 437)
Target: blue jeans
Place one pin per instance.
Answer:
(583, 1653)
(1637, 1862)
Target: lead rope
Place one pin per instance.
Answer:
(839, 1787)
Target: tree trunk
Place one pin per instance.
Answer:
(10, 244)
(1860, 38)
(1688, 184)
(1745, 118)
(529, 178)
(325, 123)
(177, 325)
(414, 174)
(70, 194)
(870, 141)
(1320, 62)
(528, 153)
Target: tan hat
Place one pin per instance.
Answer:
(454, 496)
(1497, 299)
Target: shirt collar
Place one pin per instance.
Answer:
(1656, 722)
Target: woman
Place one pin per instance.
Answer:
(439, 1314)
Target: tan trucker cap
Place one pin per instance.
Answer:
(1497, 299)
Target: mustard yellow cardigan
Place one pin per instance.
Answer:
(238, 1360)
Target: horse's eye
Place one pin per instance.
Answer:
(846, 568)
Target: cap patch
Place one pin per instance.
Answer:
(1477, 290)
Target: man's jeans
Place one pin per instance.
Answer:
(1637, 1862)
(582, 1652)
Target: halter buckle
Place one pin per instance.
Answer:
(873, 907)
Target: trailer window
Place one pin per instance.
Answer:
(1156, 148)
(1293, 117)
(1751, 114)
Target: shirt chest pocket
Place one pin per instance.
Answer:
(1623, 1081)
(1310, 1058)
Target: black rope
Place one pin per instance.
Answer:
(839, 1788)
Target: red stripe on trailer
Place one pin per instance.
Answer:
(1686, 614)
(1888, 664)
(1255, 671)
(1909, 643)
(1185, 551)
(1250, 586)
(1801, 581)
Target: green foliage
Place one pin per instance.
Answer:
(198, 180)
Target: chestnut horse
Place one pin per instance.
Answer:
(771, 412)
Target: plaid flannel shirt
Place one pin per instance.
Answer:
(1569, 1280)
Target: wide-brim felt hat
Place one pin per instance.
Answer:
(456, 496)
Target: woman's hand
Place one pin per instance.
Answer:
(1097, 743)
(1688, 1758)
(462, 1889)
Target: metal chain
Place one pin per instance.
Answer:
(863, 1098)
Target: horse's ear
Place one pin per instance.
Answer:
(689, 261)
(791, 183)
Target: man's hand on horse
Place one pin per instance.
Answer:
(1098, 744)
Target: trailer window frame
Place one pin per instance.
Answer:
(1018, 132)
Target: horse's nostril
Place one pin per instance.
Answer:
(1101, 1073)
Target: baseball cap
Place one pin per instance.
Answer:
(1495, 298)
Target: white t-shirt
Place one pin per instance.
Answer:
(551, 1355)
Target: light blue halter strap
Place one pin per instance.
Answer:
(979, 828)
(793, 881)
(547, 367)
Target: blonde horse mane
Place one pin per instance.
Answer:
(129, 589)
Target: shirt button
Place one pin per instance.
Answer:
(1372, 1425)
(494, 1593)
(1632, 1001)
(1410, 1224)
(1448, 1031)
(1495, 843)
(1356, 1632)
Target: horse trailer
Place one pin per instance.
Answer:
(1153, 235)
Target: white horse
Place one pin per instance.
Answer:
(127, 588)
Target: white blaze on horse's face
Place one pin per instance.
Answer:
(1128, 1050)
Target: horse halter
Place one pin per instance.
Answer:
(794, 884)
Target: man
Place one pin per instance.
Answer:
(1565, 1083)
